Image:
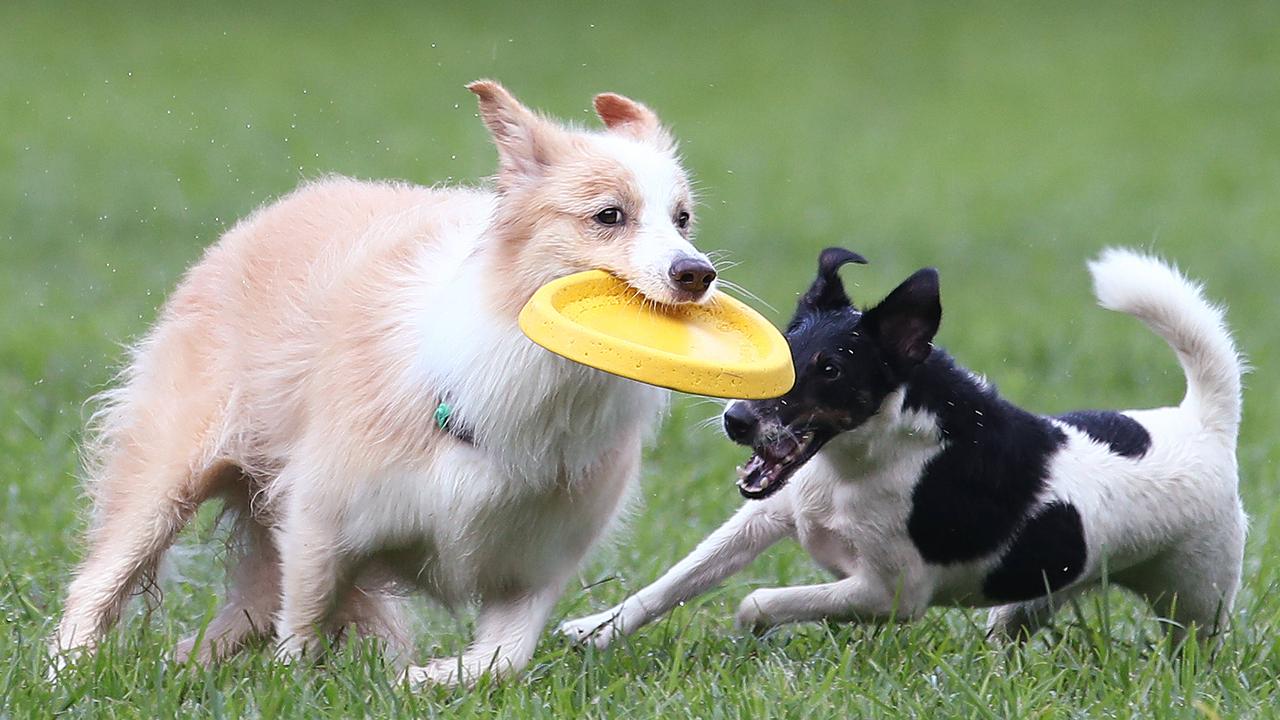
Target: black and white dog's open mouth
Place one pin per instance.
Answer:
(774, 462)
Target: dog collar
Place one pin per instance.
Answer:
(444, 421)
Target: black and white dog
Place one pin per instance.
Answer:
(916, 484)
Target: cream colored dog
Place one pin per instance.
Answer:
(344, 369)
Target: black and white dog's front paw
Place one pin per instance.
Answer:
(599, 630)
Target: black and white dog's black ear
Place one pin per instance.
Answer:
(904, 323)
(827, 292)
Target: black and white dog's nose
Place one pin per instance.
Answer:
(740, 424)
(692, 274)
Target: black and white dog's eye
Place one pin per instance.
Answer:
(609, 216)
(829, 371)
(682, 219)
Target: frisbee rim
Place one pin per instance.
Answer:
(542, 322)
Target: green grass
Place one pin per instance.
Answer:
(1003, 145)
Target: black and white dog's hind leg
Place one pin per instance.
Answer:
(1018, 622)
(1194, 584)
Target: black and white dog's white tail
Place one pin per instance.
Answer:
(1175, 308)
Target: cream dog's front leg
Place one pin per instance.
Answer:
(751, 530)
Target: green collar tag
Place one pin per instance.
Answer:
(443, 411)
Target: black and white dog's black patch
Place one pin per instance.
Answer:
(1047, 554)
(1124, 435)
(976, 493)
(918, 485)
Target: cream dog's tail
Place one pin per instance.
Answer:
(1175, 308)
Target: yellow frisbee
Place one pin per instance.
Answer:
(721, 348)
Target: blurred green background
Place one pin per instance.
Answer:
(1003, 144)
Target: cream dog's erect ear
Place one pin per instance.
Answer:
(624, 115)
(526, 142)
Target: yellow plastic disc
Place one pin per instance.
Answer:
(721, 348)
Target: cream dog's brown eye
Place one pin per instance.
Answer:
(609, 216)
(682, 219)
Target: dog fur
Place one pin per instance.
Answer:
(926, 488)
(296, 371)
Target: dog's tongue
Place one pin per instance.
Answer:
(761, 471)
(753, 477)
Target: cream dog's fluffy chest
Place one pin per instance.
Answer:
(534, 459)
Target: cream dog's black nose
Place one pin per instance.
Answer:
(692, 274)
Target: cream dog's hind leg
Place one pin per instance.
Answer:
(142, 504)
(253, 595)
(151, 459)
(125, 550)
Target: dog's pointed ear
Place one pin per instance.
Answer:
(905, 322)
(625, 116)
(827, 291)
(525, 141)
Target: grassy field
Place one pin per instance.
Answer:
(1003, 145)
